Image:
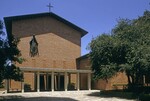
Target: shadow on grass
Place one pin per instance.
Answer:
(19, 98)
(114, 93)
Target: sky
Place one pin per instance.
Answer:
(94, 16)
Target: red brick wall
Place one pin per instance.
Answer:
(59, 44)
(83, 63)
(120, 78)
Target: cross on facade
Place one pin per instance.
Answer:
(49, 6)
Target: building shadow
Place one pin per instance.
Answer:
(19, 98)
(114, 93)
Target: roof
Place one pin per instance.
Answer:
(8, 21)
(86, 56)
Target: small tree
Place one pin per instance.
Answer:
(9, 55)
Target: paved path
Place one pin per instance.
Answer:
(92, 95)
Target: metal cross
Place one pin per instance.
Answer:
(49, 6)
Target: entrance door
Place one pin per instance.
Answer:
(62, 82)
(59, 82)
(49, 83)
(42, 83)
(45, 82)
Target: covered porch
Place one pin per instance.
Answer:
(55, 79)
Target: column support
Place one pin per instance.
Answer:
(52, 81)
(22, 84)
(38, 82)
(66, 82)
(78, 81)
(6, 86)
(89, 81)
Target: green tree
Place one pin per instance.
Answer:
(107, 54)
(136, 33)
(127, 49)
(9, 55)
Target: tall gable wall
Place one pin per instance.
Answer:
(59, 44)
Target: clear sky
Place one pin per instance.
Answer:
(95, 16)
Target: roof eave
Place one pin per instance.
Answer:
(8, 21)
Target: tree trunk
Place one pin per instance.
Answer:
(129, 80)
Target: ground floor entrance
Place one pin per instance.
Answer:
(45, 82)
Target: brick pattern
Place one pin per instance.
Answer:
(83, 64)
(120, 78)
(58, 44)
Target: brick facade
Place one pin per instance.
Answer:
(119, 79)
(59, 43)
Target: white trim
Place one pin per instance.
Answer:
(22, 85)
(66, 81)
(52, 81)
(37, 69)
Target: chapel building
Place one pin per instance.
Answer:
(58, 44)
(51, 47)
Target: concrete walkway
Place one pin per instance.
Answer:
(92, 95)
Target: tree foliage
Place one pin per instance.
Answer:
(9, 55)
(107, 55)
(127, 49)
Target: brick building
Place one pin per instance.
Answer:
(58, 64)
(119, 81)
(59, 44)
